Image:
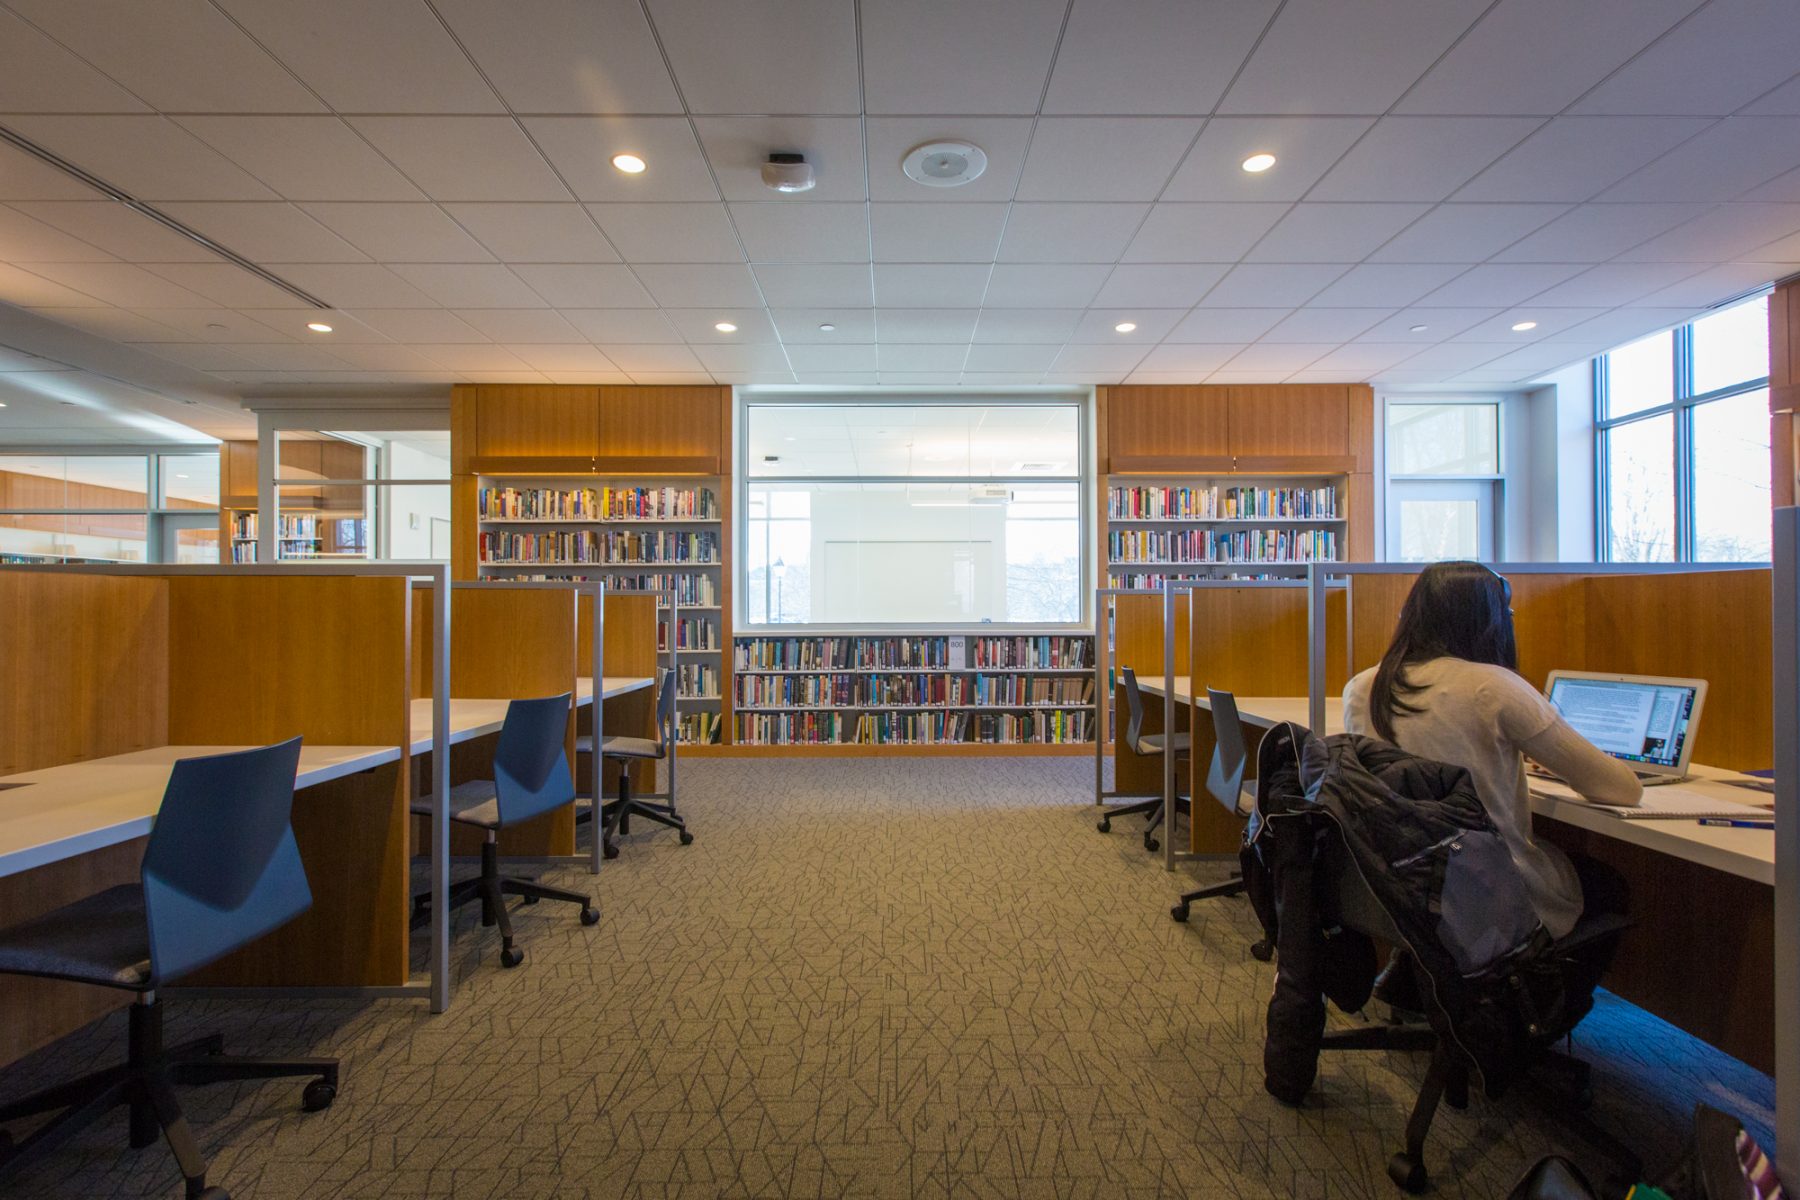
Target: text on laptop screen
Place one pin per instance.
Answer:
(1635, 722)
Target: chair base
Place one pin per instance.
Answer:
(146, 1082)
(492, 888)
(1261, 949)
(615, 815)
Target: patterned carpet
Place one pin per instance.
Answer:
(866, 978)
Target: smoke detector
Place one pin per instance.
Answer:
(944, 164)
(788, 172)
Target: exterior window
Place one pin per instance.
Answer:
(1443, 481)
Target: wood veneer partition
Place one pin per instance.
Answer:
(630, 645)
(1138, 644)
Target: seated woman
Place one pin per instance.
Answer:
(1446, 689)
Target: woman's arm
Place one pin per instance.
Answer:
(1595, 775)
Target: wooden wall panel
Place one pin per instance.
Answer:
(1784, 348)
(465, 427)
(537, 420)
(1138, 636)
(1177, 428)
(667, 428)
(84, 667)
(1276, 427)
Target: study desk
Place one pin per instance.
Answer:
(1264, 712)
(473, 717)
(1747, 853)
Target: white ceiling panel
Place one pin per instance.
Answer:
(696, 285)
(1033, 358)
(353, 285)
(528, 233)
(1390, 285)
(1346, 56)
(25, 239)
(1104, 158)
(1718, 60)
(1324, 324)
(1615, 283)
(1099, 326)
(670, 233)
(743, 358)
(148, 156)
(737, 148)
(399, 232)
(1455, 356)
(1360, 359)
(1271, 285)
(748, 58)
(1013, 326)
(1304, 149)
(1420, 158)
(23, 177)
(801, 326)
(582, 150)
(1159, 285)
(1439, 324)
(1333, 232)
(370, 56)
(681, 378)
(816, 285)
(576, 285)
(1623, 325)
(1721, 163)
(1461, 232)
(385, 358)
(1784, 101)
(926, 325)
(696, 325)
(548, 357)
(832, 358)
(228, 284)
(1032, 285)
(588, 377)
(1570, 48)
(116, 283)
(462, 356)
(946, 56)
(1226, 324)
(936, 232)
(782, 232)
(923, 358)
(200, 358)
(640, 326)
(420, 325)
(215, 325)
(519, 326)
(1278, 356)
(1572, 158)
(1050, 233)
(1500, 284)
(1151, 56)
(38, 75)
(117, 323)
(1597, 232)
(927, 285)
(1712, 285)
(1782, 187)
(565, 56)
(1551, 323)
(1726, 232)
(304, 158)
(266, 233)
(290, 325)
(1200, 233)
(1002, 139)
(1188, 358)
(1113, 362)
(464, 158)
(919, 378)
(476, 285)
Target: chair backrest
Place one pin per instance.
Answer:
(665, 710)
(1134, 707)
(531, 763)
(1225, 774)
(221, 867)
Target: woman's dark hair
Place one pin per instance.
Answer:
(1455, 610)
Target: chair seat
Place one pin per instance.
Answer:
(1152, 743)
(101, 939)
(630, 747)
(471, 803)
(1247, 798)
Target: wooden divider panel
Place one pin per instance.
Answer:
(630, 651)
(1549, 620)
(1138, 644)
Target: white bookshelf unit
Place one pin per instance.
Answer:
(1222, 527)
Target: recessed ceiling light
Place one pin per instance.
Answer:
(2, 404)
(178, 475)
(1125, 327)
(631, 164)
(1522, 326)
(1417, 328)
(725, 327)
(828, 327)
(318, 327)
(944, 164)
(1256, 164)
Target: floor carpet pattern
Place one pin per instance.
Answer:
(866, 978)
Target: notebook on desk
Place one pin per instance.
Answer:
(1664, 804)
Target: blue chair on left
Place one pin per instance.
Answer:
(221, 869)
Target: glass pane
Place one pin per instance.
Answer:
(417, 520)
(307, 456)
(1641, 375)
(1731, 479)
(190, 480)
(96, 537)
(409, 454)
(991, 441)
(75, 481)
(322, 521)
(1640, 490)
(1731, 346)
(1443, 439)
(840, 553)
(1432, 530)
(197, 545)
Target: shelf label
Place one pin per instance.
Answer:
(958, 652)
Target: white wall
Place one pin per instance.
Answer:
(409, 510)
(1560, 467)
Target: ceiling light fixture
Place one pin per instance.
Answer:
(1522, 326)
(787, 171)
(944, 164)
(1256, 164)
(828, 327)
(725, 327)
(1417, 328)
(318, 327)
(631, 164)
(1125, 327)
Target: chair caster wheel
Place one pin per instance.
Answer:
(1262, 951)
(590, 915)
(511, 958)
(529, 899)
(609, 850)
(1408, 1172)
(318, 1096)
(687, 839)
(1105, 826)
(214, 1193)
(1151, 844)
(1180, 913)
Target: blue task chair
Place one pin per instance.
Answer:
(1225, 783)
(221, 870)
(616, 814)
(531, 778)
(1148, 745)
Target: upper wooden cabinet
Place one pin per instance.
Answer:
(1784, 348)
(1152, 429)
(583, 430)
(537, 421)
(1263, 428)
(663, 429)
(1305, 427)
(237, 473)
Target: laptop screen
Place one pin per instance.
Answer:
(1634, 722)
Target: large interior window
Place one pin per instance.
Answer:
(1443, 466)
(1684, 442)
(922, 513)
(112, 506)
(363, 494)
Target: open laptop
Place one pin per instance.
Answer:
(1644, 721)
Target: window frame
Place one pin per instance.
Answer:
(1396, 486)
(1681, 410)
(153, 510)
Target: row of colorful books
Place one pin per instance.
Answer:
(597, 546)
(928, 651)
(831, 728)
(1219, 504)
(596, 504)
(886, 691)
(1153, 546)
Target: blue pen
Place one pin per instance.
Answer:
(1734, 823)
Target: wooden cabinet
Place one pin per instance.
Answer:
(1253, 429)
(1275, 427)
(237, 474)
(666, 429)
(1167, 429)
(538, 421)
(581, 430)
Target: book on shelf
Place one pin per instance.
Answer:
(1170, 547)
(701, 727)
(1214, 503)
(898, 652)
(696, 681)
(608, 547)
(288, 529)
(596, 504)
(691, 633)
(922, 728)
(946, 690)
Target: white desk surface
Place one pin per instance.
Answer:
(1266, 712)
(477, 717)
(79, 807)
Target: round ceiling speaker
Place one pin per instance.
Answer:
(944, 164)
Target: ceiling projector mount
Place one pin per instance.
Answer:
(944, 164)
(788, 172)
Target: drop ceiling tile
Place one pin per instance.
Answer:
(399, 232)
(1466, 232)
(1721, 163)
(783, 232)
(115, 283)
(1279, 356)
(1782, 187)
(148, 156)
(1713, 285)
(211, 325)
(1720, 59)
(638, 326)
(519, 326)
(1163, 377)
(1361, 358)
(1784, 101)
(39, 75)
(832, 358)
(25, 239)
(926, 285)
(743, 358)
(1201, 233)
(681, 378)
(582, 150)
(290, 325)
(753, 378)
(1439, 324)
(696, 285)
(1151, 56)
(565, 56)
(919, 378)
(1013, 326)
(589, 377)
(1376, 285)
(1031, 285)
(928, 325)
(522, 374)
(1070, 233)
(737, 148)
(1726, 232)
(1571, 158)
(695, 325)
(1454, 356)
(1324, 324)
(23, 177)
(669, 233)
(736, 59)
(636, 358)
(1266, 375)
(465, 357)
(464, 158)
(286, 356)
(925, 357)
(227, 284)
(1099, 325)
(1186, 358)
(991, 357)
(264, 233)
(1104, 158)
(1114, 361)
(579, 285)
(1623, 325)
(1240, 325)
(1304, 149)
(353, 285)
(1616, 283)
(1420, 158)
(116, 323)
(1172, 285)
(981, 379)
(526, 233)
(197, 357)
(1345, 233)
(1346, 56)
(1550, 323)
(420, 325)
(372, 56)
(1002, 139)
(936, 232)
(1271, 285)
(815, 285)
(385, 358)
(573, 356)
(303, 157)
(850, 326)
(1597, 232)
(1498, 284)
(476, 285)
(1530, 360)
(938, 56)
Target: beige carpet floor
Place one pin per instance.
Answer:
(866, 978)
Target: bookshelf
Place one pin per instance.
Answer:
(913, 690)
(636, 534)
(1222, 527)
